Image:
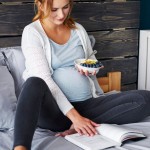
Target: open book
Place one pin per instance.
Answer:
(109, 135)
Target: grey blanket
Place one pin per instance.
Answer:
(45, 139)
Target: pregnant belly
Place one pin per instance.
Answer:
(75, 86)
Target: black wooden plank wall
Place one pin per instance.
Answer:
(114, 24)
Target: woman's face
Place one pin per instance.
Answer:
(59, 12)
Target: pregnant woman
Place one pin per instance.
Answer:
(56, 95)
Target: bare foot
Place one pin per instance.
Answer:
(67, 132)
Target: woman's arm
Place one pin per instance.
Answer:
(37, 66)
(81, 124)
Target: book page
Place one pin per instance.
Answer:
(131, 135)
(96, 142)
(115, 132)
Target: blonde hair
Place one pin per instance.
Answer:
(69, 22)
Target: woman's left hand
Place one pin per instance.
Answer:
(86, 73)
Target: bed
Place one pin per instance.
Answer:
(11, 68)
(45, 140)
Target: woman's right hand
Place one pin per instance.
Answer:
(82, 125)
(85, 126)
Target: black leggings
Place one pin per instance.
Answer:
(37, 107)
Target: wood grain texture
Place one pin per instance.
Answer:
(96, 16)
(111, 44)
(103, 16)
(111, 82)
(129, 87)
(113, 24)
(13, 18)
(114, 81)
(10, 41)
(127, 66)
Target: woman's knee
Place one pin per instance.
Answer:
(145, 94)
(35, 83)
(34, 88)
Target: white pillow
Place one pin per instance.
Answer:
(8, 99)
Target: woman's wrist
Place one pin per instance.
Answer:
(73, 115)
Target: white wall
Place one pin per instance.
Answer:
(144, 60)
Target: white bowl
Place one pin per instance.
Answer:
(89, 69)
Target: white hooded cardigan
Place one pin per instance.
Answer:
(37, 51)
